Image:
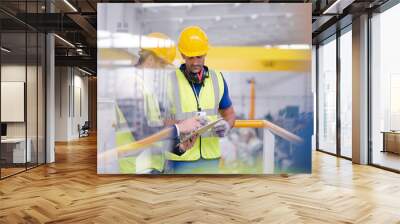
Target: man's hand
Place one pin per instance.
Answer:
(188, 125)
(183, 146)
(221, 128)
(203, 120)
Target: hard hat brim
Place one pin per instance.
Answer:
(193, 54)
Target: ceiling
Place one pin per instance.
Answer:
(225, 23)
(231, 24)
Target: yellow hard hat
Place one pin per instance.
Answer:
(193, 41)
(162, 46)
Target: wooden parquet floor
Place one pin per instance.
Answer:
(70, 191)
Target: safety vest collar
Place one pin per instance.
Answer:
(180, 114)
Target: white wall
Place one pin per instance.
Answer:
(71, 93)
(62, 81)
(12, 73)
(79, 117)
(33, 126)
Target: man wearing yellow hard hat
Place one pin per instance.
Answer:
(199, 91)
(159, 51)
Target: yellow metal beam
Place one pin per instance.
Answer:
(285, 134)
(116, 54)
(239, 59)
(258, 59)
(260, 53)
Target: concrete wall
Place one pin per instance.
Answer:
(71, 102)
(360, 90)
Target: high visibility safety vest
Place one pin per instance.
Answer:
(152, 110)
(124, 136)
(186, 106)
(146, 160)
(135, 164)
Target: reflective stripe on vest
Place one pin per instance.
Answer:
(186, 107)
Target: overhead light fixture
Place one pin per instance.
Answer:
(254, 16)
(151, 5)
(299, 46)
(338, 6)
(189, 5)
(5, 50)
(290, 46)
(64, 40)
(84, 71)
(328, 10)
(79, 51)
(288, 15)
(70, 5)
(103, 34)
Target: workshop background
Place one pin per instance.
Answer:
(264, 53)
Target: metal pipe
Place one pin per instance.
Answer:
(166, 133)
(252, 99)
(281, 132)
